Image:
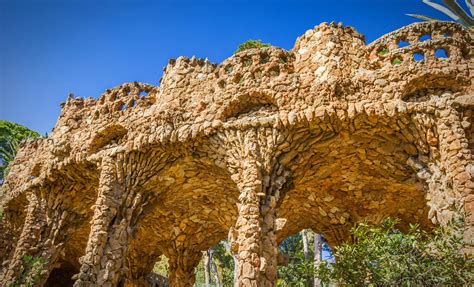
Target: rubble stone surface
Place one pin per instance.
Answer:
(253, 150)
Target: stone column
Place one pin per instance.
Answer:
(181, 268)
(34, 254)
(104, 261)
(141, 263)
(455, 186)
(253, 238)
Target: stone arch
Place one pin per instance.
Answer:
(252, 103)
(348, 176)
(428, 83)
(61, 203)
(75, 196)
(107, 135)
(180, 222)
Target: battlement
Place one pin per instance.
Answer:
(255, 66)
(124, 97)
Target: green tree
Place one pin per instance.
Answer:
(251, 44)
(299, 271)
(384, 256)
(225, 263)
(11, 135)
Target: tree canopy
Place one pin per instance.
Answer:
(11, 134)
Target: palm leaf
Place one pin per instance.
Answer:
(7, 155)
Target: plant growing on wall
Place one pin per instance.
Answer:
(251, 44)
(31, 269)
(453, 10)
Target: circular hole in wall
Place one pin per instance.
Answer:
(418, 57)
(402, 43)
(425, 37)
(441, 54)
(397, 61)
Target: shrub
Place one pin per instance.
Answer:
(384, 256)
(251, 44)
(30, 271)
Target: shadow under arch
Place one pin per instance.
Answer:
(412, 91)
(254, 103)
(194, 205)
(79, 188)
(347, 177)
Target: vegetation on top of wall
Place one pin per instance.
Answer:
(453, 10)
(251, 44)
(384, 256)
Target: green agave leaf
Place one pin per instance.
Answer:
(459, 11)
(470, 5)
(422, 17)
(442, 9)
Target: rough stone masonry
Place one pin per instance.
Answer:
(252, 150)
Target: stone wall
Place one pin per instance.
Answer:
(252, 150)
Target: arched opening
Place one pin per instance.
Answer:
(419, 89)
(254, 104)
(107, 136)
(81, 195)
(62, 276)
(368, 174)
(300, 255)
(193, 208)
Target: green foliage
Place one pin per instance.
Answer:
(225, 263)
(225, 266)
(30, 271)
(199, 271)
(299, 270)
(397, 61)
(251, 44)
(11, 135)
(161, 266)
(384, 256)
(453, 10)
(383, 52)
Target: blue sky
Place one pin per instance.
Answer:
(51, 48)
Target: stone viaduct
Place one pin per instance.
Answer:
(252, 150)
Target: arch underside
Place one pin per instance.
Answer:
(344, 178)
(351, 178)
(194, 206)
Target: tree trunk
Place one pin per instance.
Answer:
(236, 271)
(304, 235)
(318, 244)
(227, 247)
(207, 272)
(214, 269)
